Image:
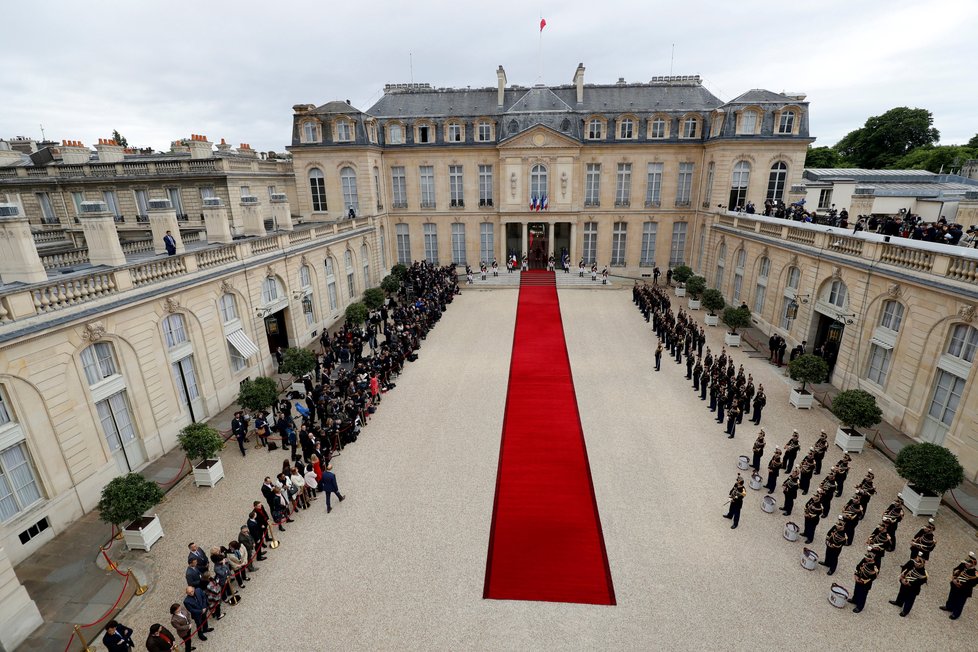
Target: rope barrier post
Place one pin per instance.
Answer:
(85, 647)
(140, 588)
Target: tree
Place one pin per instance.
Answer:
(126, 497)
(399, 271)
(298, 361)
(736, 318)
(390, 284)
(713, 301)
(823, 157)
(808, 368)
(929, 468)
(935, 159)
(973, 142)
(374, 298)
(119, 138)
(695, 287)
(856, 408)
(885, 138)
(199, 441)
(681, 274)
(356, 313)
(256, 395)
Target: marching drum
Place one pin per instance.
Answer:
(743, 463)
(768, 504)
(755, 482)
(838, 596)
(809, 559)
(791, 531)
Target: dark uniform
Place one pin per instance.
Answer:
(821, 445)
(923, 542)
(841, 474)
(813, 513)
(760, 400)
(758, 451)
(964, 577)
(790, 487)
(732, 419)
(835, 538)
(866, 572)
(895, 514)
(879, 541)
(912, 577)
(736, 502)
(791, 452)
(658, 357)
(773, 468)
(807, 467)
(697, 372)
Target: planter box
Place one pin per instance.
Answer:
(801, 400)
(208, 472)
(920, 504)
(680, 292)
(712, 320)
(731, 339)
(851, 441)
(694, 304)
(142, 533)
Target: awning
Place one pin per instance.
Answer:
(242, 343)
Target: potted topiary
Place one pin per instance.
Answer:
(856, 408)
(929, 470)
(390, 284)
(735, 318)
(258, 394)
(124, 503)
(680, 275)
(374, 298)
(713, 301)
(807, 368)
(199, 441)
(356, 313)
(694, 288)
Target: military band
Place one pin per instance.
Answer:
(964, 577)
(913, 576)
(866, 572)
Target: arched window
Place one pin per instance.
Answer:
(565, 125)
(953, 370)
(748, 122)
(739, 274)
(721, 264)
(786, 125)
(763, 270)
(365, 262)
(738, 185)
(454, 132)
(18, 479)
(514, 126)
(309, 132)
(317, 188)
(626, 129)
(776, 181)
(174, 331)
(395, 134)
(538, 182)
(98, 362)
(271, 290)
(789, 312)
(305, 277)
(331, 283)
(594, 129)
(348, 179)
(351, 285)
(838, 294)
(690, 127)
(228, 306)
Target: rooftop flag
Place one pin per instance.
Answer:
(543, 23)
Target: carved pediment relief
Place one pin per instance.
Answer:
(539, 137)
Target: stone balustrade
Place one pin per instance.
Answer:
(64, 259)
(137, 246)
(51, 235)
(157, 270)
(56, 295)
(214, 257)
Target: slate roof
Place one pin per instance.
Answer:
(336, 106)
(761, 96)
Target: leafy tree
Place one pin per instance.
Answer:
(973, 142)
(695, 287)
(257, 394)
(390, 284)
(856, 408)
(681, 274)
(126, 497)
(199, 441)
(823, 157)
(374, 298)
(736, 318)
(356, 313)
(298, 361)
(885, 138)
(935, 159)
(399, 271)
(119, 138)
(929, 468)
(808, 368)
(713, 301)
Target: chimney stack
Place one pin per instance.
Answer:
(223, 147)
(281, 212)
(579, 82)
(216, 221)
(109, 151)
(163, 218)
(74, 152)
(199, 146)
(101, 236)
(19, 260)
(244, 149)
(501, 93)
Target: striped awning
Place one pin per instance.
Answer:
(242, 343)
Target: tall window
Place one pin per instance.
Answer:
(228, 306)
(485, 185)
(838, 294)
(657, 128)
(271, 290)
(721, 265)
(708, 192)
(653, 187)
(365, 265)
(964, 341)
(116, 419)
(891, 316)
(98, 362)
(748, 122)
(431, 243)
(308, 310)
(309, 132)
(344, 131)
(538, 182)
(47, 212)
(78, 197)
(399, 186)
(112, 202)
(590, 242)
(18, 482)
(348, 179)
(207, 192)
(485, 132)
(350, 282)
(739, 275)
(618, 243)
(142, 203)
(403, 244)
(738, 185)
(690, 127)
(425, 134)
(427, 178)
(776, 181)
(953, 370)
(455, 185)
(677, 250)
(383, 249)
(623, 185)
(487, 244)
(763, 270)
(592, 185)
(458, 244)
(594, 127)
(455, 132)
(317, 187)
(884, 341)
(377, 188)
(649, 230)
(790, 292)
(331, 283)
(395, 134)
(626, 129)
(174, 330)
(305, 277)
(787, 123)
(684, 184)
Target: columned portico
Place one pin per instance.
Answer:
(538, 239)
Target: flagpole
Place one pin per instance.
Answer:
(540, 56)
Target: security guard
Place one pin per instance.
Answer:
(866, 572)
(964, 577)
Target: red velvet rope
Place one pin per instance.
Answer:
(106, 614)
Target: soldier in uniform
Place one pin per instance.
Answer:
(760, 400)
(964, 577)
(828, 491)
(658, 356)
(732, 418)
(923, 542)
(790, 487)
(807, 467)
(705, 379)
(689, 367)
(821, 445)
(758, 451)
(866, 572)
(867, 488)
(851, 514)
(773, 468)
(697, 372)
(895, 514)
(835, 538)
(842, 471)
(813, 513)
(791, 451)
(736, 494)
(878, 541)
(913, 575)
(721, 401)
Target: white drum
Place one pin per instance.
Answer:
(755, 482)
(838, 596)
(791, 531)
(768, 503)
(743, 463)
(809, 559)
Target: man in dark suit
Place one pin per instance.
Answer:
(192, 574)
(328, 486)
(170, 243)
(118, 637)
(268, 492)
(239, 428)
(257, 532)
(196, 604)
(199, 555)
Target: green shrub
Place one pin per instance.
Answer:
(856, 408)
(258, 394)
(374, 298)
(298, 361)
(736, 318)
(713, 300)
(681, 273)
(695, 287)
(390, 284)
(808, 368)
(356, 313)
(125, 499)
(399, 271)
(929, 468)
(199, 441)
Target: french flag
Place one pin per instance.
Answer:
(546, 202)
(533, 203)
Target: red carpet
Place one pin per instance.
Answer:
(545, 542)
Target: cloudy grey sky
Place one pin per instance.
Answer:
(158, 71)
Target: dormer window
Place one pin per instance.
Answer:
(344, 131)
(690, 127)
(485, 132)
(595, 129)
(310, 134)
(454, 133)
(395, 134)
(626, 129)
(372, 132)
(748, 123)
(658, 128)
(786, 124)
(424, 134)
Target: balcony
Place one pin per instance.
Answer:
(456, 203)
(592, 203)
(622, 203)
(428, 204)
(683, 203)
(144, 169)
(399, 204)
(485, 203)
(652, 203)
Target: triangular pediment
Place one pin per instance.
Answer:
(538, 137)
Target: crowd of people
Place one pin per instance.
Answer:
(731, 393)
(355, 367)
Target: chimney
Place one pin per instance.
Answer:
(18, 254)
(101, 236)
(74, 152)
(109, 151)
(500, 95)
(163, 218)
(281, 213)
(216, 221)
(252, 221)
(579, 82)
(199, 146)
(8, 155)
(223, 147)
(244, 149)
